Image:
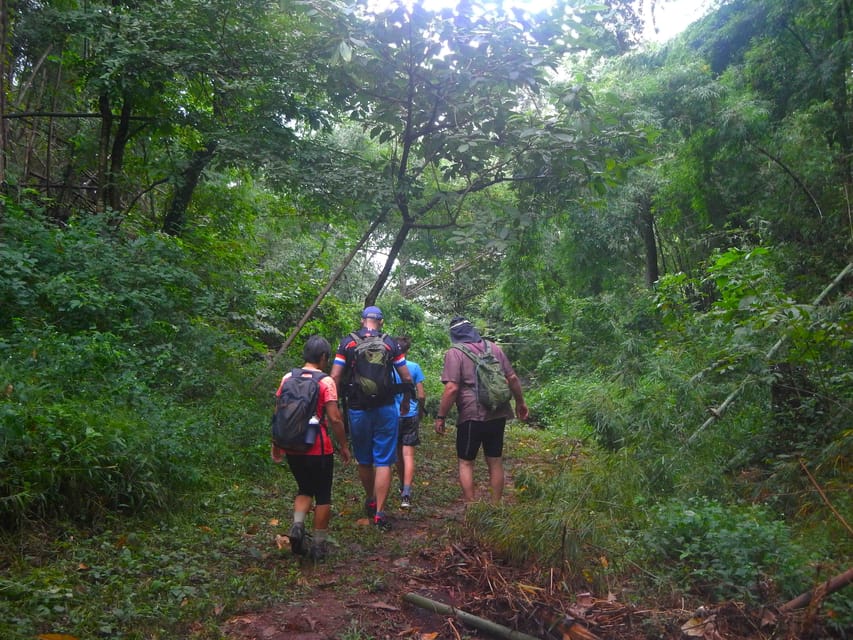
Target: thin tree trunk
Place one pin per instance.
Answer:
(113, 193)
(104, 149)
(307, 316)
(4, 52)
(396, 247)
(647, 231)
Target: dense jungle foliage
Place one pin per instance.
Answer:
(660, 235)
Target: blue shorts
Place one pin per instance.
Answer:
(373, 435)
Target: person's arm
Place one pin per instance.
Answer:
(406, 380)
(448, 398)
(337, 373)
(421, 395)
(521, 410)
(335, 422)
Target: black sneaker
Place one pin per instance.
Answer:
(370, 507)
(381, 522)
(297, 539)
(406, 501)
(319, 551)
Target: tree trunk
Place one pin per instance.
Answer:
(104, 150)
(399, 241)
(187, 181)
(647, 232)
(113, 193)
(4, 53)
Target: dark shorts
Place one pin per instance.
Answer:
(410, 431)
(472, 434)
(313, 475)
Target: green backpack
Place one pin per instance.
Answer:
(491, 386)
(371, 381)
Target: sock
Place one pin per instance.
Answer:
(407, 490)
(299, 516)
(379, 515)
(320, 535)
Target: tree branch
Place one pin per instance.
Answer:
(790, 173)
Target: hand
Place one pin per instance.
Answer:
(404, 406)
(521, 411)
(276, 454)
(345, 454)
(439, 426)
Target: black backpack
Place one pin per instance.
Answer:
(491, 386)
(295, 406)
(371, 381)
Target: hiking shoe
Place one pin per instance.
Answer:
(406, 501)
(319, 551)
(370, 507)
(297, 539)
(381, 522)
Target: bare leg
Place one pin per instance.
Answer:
(409, 465)
(368, 479)
(303, 504)
(496, 477)
(401, 467)
(466, 479)
(381, 485)
(322, 516)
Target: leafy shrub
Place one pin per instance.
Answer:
(123, 378)
(721, 551)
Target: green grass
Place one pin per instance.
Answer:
(214, 558)
(183, 573)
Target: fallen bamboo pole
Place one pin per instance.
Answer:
(718, 412)
(830, 586)
(468, 618)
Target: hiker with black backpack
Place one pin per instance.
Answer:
(306, 408)
(479, 379)
(363, 368)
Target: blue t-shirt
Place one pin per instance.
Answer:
(417, 376)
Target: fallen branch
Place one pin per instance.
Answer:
(825, 499)
(470, 619)
(307, 315)
(717, 413)
(830, 586)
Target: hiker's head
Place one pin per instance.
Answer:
(404, 342)
(316, 349)
(461, 330)
(371, 317)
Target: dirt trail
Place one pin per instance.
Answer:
(358, 592)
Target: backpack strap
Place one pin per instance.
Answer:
(468, 351)
(473, 355)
